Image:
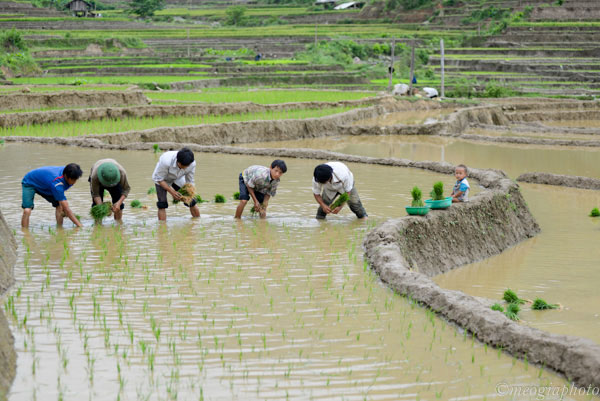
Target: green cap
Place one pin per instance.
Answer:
(108, 174)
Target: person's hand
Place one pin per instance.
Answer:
(326, 209)
(177, 195)
(263, 213)
(116, 207)
(336, 210)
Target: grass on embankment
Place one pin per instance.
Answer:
(106, 126)
(51, 88)
(260, 97)
(143, 79)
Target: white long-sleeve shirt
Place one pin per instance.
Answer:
(341, 182)
(166, 170)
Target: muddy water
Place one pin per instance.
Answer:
(412, 117)
(559, 265)
(218, 309)
(574, 123)
(513, 159)
(546, 135)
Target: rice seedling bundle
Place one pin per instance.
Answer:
(497, 307)
(540, 304)
(151, 190)
(156, 148)
(188, 193)
(512, 311)
(219, 198)
(595, 212)
(511, 297)
(416, 195)
(236, 196)
(136, 204)
(98, 212)
(437, 193)
(343, 198)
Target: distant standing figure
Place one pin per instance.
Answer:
(430, 92)
(330, 180)
(110, 175)
(50, 183)
(460, 192)
(400, 90)
(259, 183)
(173, 170)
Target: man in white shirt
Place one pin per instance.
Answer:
(173, 170)
(330, 180)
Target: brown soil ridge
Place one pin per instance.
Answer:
(198, 109)
(573, 181)
(14, 101)
(8, 355)
(530, 141)
(406, 252)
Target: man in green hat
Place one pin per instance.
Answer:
(110, 175)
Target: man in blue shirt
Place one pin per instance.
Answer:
(50, 183)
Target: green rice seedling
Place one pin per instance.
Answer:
(151, 190)
(437, 193)
(220, 198)
(236, 195)
(511, 297)
(136, 204)
(512, 311)
(497, 307)
(156, 148)
(343, 198)
(98, 212)
(595, 212)
(199, 199)
(1, 141)
(416, 195)
(78, 217)
(540, 304)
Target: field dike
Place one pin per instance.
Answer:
(16, 101)
(200, 109)
(8, 355)
(572, 181)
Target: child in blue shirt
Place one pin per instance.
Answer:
(50, 183)
(460, 192)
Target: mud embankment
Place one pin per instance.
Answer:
(199, 109)
(406, 252)
(15, 101)
(572, 181)
(8, 355)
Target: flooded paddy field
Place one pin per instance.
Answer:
(511, 158)
(218, 309)
(410, 117)
(558, 265)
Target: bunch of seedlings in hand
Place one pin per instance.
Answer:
(188, 193)
(98, 212)
(343, 198)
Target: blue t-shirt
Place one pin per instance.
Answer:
(48, 181)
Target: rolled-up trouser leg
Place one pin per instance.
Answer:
(327, 199)
(356, 205)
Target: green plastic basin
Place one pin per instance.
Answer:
(439, 204)
(417, 211)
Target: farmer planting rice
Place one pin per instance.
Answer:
(107, 174)
(173, 170)
(259, 183)
(330, 180)
(50, 183)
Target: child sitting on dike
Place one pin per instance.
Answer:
(259, 183)
(460, 192)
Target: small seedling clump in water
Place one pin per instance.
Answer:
(512, 311)
(511, 297)
(540, 304)
(156, 148)
(136, 204)
(219, 198)
(343, 198)
(416, 195)
(497, 307)
(151, 190)
(595, 212)
(236, 195)
(437, 193)
(98, 212)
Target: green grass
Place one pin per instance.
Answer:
(183, 65)
(280, 61)
(144, 79)
(250, 12)
(83, 88)
(70, 129)
(260, 97)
